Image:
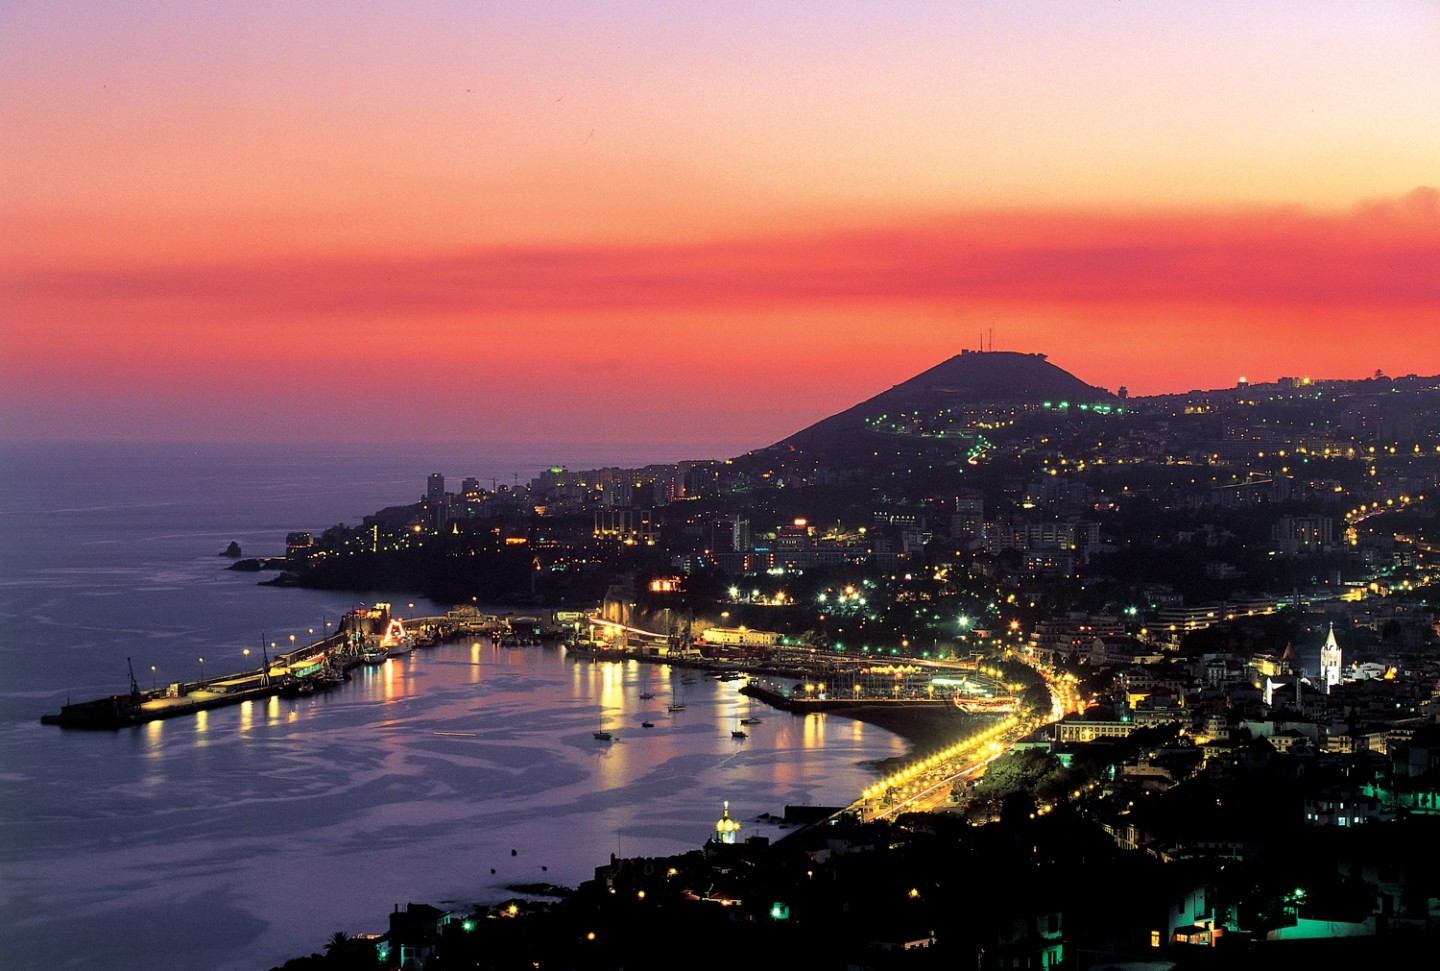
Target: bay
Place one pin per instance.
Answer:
(247, 835)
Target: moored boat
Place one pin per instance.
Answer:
(297, 688)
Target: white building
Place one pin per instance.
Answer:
(1330, 661)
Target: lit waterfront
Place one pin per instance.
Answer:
(411, 782)
(242, 836)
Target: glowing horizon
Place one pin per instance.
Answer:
(446, 222)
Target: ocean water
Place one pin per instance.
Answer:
(247, 835)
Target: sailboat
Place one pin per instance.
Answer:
(603, 734)
(750, 718)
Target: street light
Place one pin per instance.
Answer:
(246, 652)
(152, 677)
(202, 670)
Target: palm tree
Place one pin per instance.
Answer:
(336, 945)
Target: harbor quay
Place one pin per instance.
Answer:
(301, 671)
(366, 636)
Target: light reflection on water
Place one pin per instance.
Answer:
(248, 835)
(358, 782)
(292, 818)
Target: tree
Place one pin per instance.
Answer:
(1035, 699)
(1016, 772)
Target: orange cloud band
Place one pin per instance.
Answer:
(1381, 255)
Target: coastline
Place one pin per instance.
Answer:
(926, 729)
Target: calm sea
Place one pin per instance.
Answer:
(248, 835)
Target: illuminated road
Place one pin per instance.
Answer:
(927, 784)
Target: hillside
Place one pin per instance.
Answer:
(968, 379)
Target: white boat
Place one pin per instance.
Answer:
(397, 640)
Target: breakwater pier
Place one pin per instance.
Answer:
(368, 636)
(298, 671)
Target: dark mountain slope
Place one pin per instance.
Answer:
(969, 379)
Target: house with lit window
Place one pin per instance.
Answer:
(1345, 806)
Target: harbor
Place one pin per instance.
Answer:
(413, 780)
(902, 698)
(137, 848)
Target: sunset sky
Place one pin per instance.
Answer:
(693, 220)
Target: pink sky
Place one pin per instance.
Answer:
(696, 221)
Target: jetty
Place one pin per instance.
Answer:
(303, 671)
(300, 672)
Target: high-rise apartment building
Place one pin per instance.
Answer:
(435, 500)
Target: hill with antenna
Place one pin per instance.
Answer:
(969, 379)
